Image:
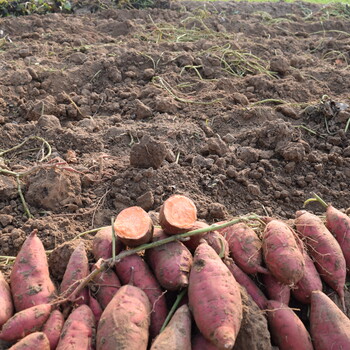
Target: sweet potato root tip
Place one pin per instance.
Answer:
(133, 226)
(177, 214)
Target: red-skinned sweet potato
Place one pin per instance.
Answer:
(125, 321)
(53, 327)
(276, 290)
(24, 322)
(30, 279)
(77, 268)
(193, 242)
(200, 343)
(78, 331)
(36, 340)
(245, 281)
(214, 298)
(170, 262)
(177, 334)
(245, 247)
(103, 242)
(287, 330)
(133, 269)
(6, 309)
(282, 253)
(95, 308)
(329, 327)
(324, 249)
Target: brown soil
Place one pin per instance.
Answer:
(141, 104)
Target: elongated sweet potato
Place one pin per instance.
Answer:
(276, 290)
(282, 254)
(311, 281)
(95, 308)
(107, 284)
(287, 330)
(177, 334)
(177, 214)
(53, 327)
(24, 322)
(78, 331)
(245, 247)
(125, 321)
(214, 298)
(103, 242)
(77, 268)
(6, 309)
(133, 269)
(245, 281)
(324, 249)
(30, 279)
(33, 341)
(170, 262)
(200, 343)
(329, 327)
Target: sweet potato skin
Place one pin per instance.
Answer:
(329, 327)
(200, 343)
(245, 247)
(125, 321)
(30, 279)
(78, 330)
(325, 250)
(170, 262)
(102, 244)
(134, 269)
(24, 322)
(6, 309)
(53, 327)
(276, 290)
(287, 330)
(214, 298)
(95, 308)
(177, 334)
(193, 242)
(282, 254)
(36, 340)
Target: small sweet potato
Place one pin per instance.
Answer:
(6, 309)
(276, 290)
(30, 279)
(36, 340)
(193, 242)
(133, 269)
(200, 343)
(103, 242)
(245, 247)
(177, 334)
(287, 330)
(170, 262)
(53, 327)
(329, 327)
(282, 253)
(78, 331)
(125, 321)
(24, 322)
(95, 308)
(214, 298)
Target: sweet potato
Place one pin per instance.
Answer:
(193, 242)
(133, 226)
(53, 327)
(30, 280)
(311, 281)
(200, 343)
(103, 242)
(245, 281)
(329, 327)
(134, 269)
(214, 298)
(24, 322)
(282, 254)
(177, 334)
(125, 321)
(36, 340)
(95, 308)
(107, 284)
(170, 262)
(78, 331)
(245, 247)
(324, 249)
(6, 309)
(177, 214)
(276, 290)
(287, 330)
(77, 268)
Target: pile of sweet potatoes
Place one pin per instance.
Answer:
(178, 285)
